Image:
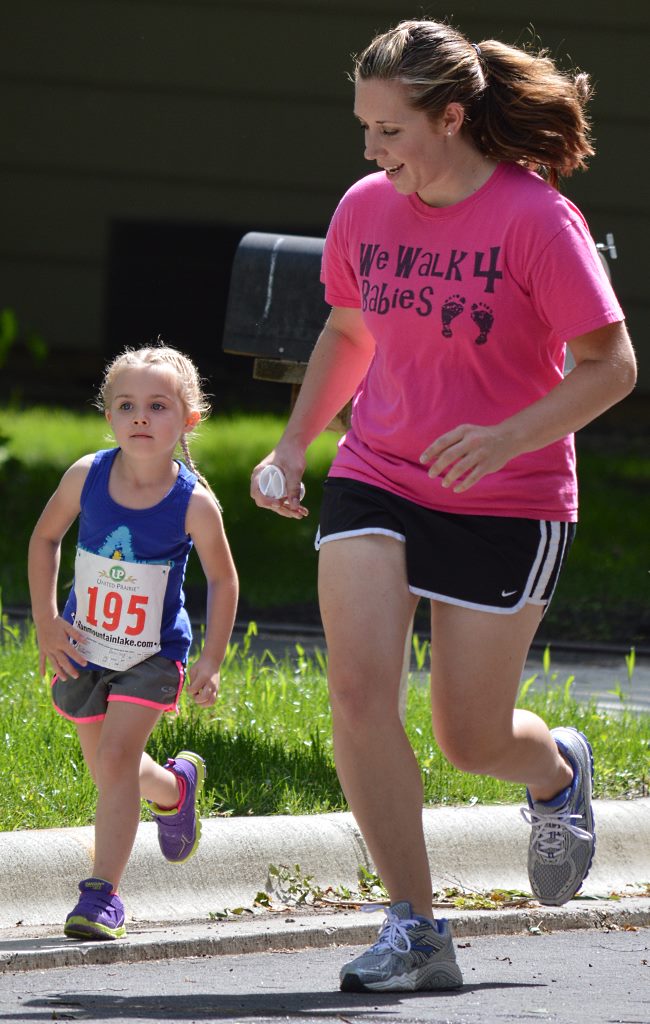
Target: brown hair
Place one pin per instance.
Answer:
(519, 106)
(190, 388)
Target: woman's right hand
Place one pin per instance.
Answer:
(292, 464)
(337, 365)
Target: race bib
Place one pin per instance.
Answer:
(119, 609)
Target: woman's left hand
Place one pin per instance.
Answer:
(466, 454)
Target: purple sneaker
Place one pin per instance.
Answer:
(99, 914)
(179, 829)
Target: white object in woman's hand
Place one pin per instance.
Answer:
(272, 483)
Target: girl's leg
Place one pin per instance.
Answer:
(118, 758)
(156, 783)
(366, 609)
(477, 659)
(89, 735)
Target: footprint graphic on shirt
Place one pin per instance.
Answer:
(483, 318)
(452, 308)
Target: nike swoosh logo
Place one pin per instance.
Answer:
(508, 593)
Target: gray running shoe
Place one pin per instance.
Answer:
(410, 954)
(563, 839)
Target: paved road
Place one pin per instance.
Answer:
(598, 677)
(596, 674)
(581, 977)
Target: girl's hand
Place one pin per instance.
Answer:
(203, 684)
(466, 454)
(55, 637)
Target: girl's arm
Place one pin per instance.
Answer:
(337, 365)
(52, 632)
(205, 526)
(605, 372)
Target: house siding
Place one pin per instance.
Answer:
(239, 114)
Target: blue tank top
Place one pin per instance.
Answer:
(155, 535)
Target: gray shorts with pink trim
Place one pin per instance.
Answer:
(154, 683)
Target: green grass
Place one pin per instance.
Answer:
(275, 559)
(267, 743)
(602, 595)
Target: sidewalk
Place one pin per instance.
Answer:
(169, 907)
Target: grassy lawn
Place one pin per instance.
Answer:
(275, 559)
(602, 596)
(267, 743)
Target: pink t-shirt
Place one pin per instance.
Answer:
(471, 307)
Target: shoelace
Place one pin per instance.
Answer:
(549, 830)
(394, 933)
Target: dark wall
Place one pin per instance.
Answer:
(140, 137)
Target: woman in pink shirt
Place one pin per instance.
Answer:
(457, 275)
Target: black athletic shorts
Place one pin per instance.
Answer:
(490, 563)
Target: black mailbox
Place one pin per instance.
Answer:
(276, 308)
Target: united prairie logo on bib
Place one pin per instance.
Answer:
(119, 609)
(118, 574)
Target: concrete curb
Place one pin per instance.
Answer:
(477, 848)
(288, 931)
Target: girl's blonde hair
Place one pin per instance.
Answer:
(518, 105)
(190, 388)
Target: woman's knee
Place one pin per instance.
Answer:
(358, 702)
(475, 752)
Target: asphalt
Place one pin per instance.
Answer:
(597, 671)
(208, 905)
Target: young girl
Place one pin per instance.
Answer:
(457, 277)
(120, 646)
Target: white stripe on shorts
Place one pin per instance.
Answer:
(363, 532)
(544, 573)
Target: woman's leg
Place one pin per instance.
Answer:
(477, 659)
(366, 609)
